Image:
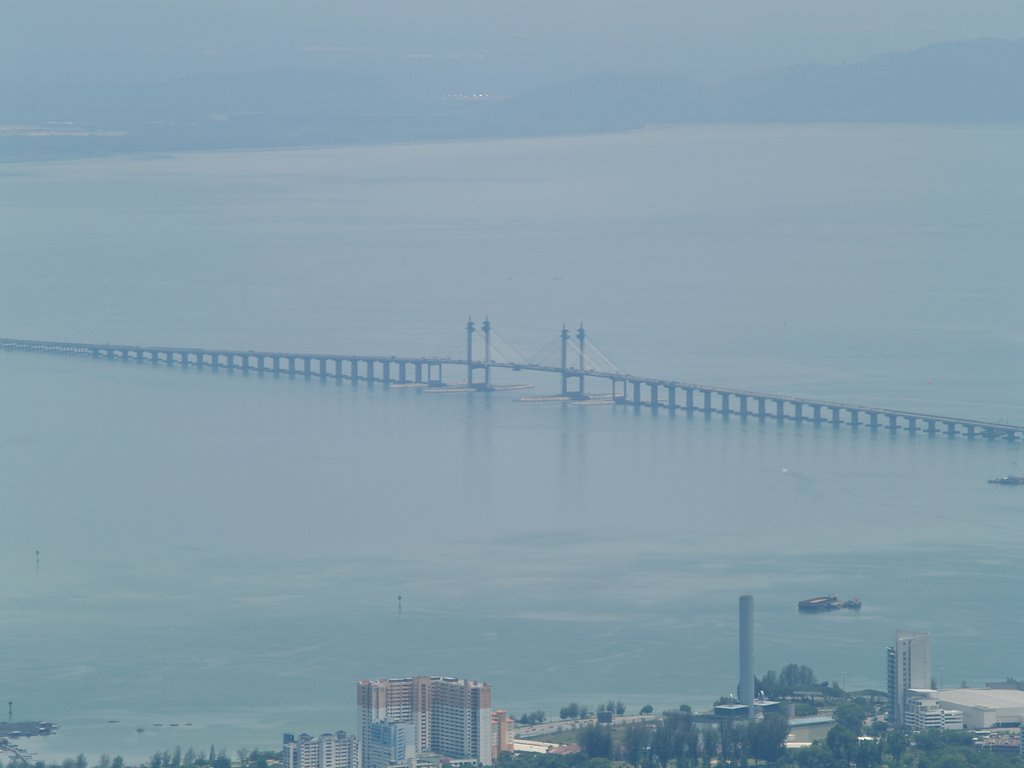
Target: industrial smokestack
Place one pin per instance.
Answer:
(747, 651)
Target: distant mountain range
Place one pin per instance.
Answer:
(964, 82)
(974, 81)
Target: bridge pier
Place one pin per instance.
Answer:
(931, 426)
(798, 411)
(386, 373)
(950, 428)
(743, 407)
(689, 400)
(215, 360)
(780, 409)
(724, 397)
(854, 417)
(816, 414)
(432, 380)
(971, 430)
(761, 409)
(911, 425)
(835, 416)
(418, 372)
(892, 423)
(707, 401)
(402, 374)
(636, 393)
(671, 399)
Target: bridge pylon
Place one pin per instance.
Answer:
(473, 365)
(580, 393)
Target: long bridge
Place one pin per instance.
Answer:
(577, 362)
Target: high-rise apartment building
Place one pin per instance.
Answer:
(330, 750)
(909, 666)
(451, 716)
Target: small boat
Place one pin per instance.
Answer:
(828, 603)
(1008, 480)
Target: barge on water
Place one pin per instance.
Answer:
(828, 603)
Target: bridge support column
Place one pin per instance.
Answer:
(277, 365)
(654, 396)
(798, 411)
(743, 406)
(200, 359)
(761, 410)
(835, 416)
(724, 397)
(246, 363)
(854, 417)
(139, 355)
(950, 428)
(386, 374)
(689, 400)
(707, 401)
(892, 423)
(816, 414)
(401, 373)
(931, 426)
(672, 398)
(911, 424)
(215, 361)
(780, 409)
(874, 419)
(636, 393)
(418, 373)
(432, 379)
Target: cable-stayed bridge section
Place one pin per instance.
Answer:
(571, 356)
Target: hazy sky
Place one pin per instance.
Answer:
(524, 43)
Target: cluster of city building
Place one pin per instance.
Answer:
(414, 721)
(422, 722)
(915, 701)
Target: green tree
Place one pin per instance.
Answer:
(646, 709)
(796, 677)
(842, 742)
(767, 737)
(851, 715)
(709, 744)
(595, 741)
(636, 739)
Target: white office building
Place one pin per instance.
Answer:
(329, 750)
(909, 666)
(450, 716)
(923, 710)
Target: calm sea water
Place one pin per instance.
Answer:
(226, 551)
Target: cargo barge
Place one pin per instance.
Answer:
(828, 603)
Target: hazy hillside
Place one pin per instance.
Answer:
(964, 82)
(976, 81)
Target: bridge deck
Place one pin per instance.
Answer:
(182, 355)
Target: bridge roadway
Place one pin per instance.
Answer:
(626, 389)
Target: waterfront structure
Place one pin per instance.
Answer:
(450, 716)
(388, 743)
(503, 730)
(922, 710)
(908, 666)
(747, 652)
(329, 750)
(578, 361)
(983, 708)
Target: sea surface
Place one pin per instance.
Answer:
(225, 552)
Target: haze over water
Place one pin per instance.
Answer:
(227, 550)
